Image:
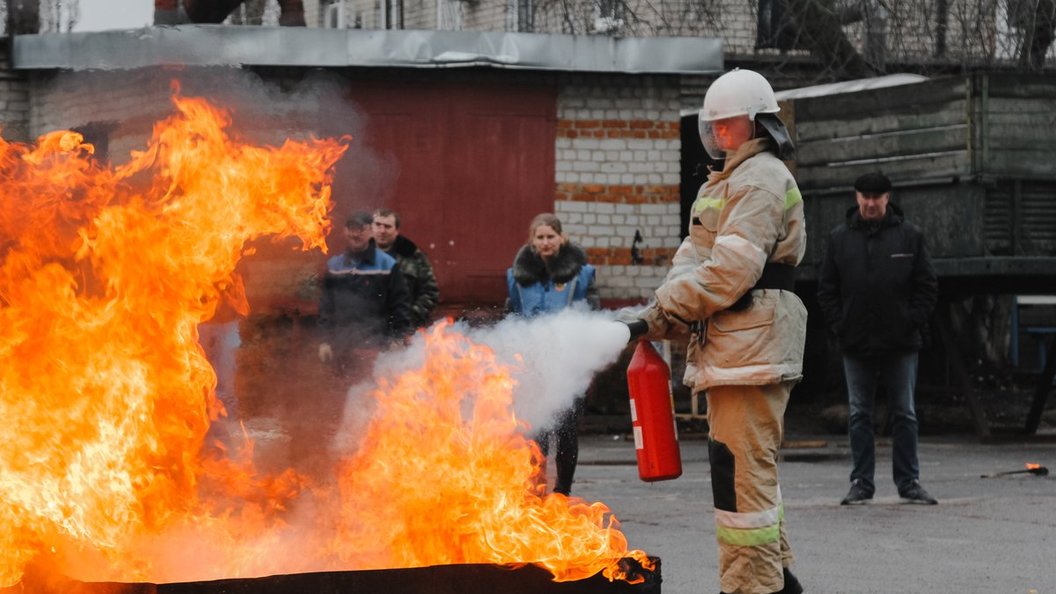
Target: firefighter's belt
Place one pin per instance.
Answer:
(776, 276)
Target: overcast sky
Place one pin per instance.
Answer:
(100, 15)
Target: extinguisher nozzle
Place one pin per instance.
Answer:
(638, 329)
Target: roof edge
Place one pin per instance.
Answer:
(224, 45)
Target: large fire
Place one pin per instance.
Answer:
(107, 396)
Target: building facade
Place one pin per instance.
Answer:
(467, 155)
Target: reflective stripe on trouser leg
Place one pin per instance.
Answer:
(746, 425)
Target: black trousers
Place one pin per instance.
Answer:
(566, 430)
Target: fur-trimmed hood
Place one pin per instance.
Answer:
(529, 268)
(403, 247)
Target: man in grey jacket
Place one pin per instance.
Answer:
(877, 289)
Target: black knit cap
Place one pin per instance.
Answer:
(360, 218)
(873, 183)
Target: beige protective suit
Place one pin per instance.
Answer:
(747, 361)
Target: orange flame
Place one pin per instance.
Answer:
(1032, 466)
(105, 274)
(443, 475)
(103, 386)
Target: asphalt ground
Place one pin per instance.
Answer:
(993, 535)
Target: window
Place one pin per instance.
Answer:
(608, 15)
(774, 26)
(525, 15)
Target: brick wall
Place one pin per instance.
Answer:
(14, 101)
(419, 14)
(617, 174)
(313, 13)
(127, 103)
(486, 16)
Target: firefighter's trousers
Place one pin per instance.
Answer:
(746, 425)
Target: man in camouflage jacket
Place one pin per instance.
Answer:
(412, 262)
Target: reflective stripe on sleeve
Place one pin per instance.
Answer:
(358, 272)
(792, 198)
(704, 202)
(742, 247)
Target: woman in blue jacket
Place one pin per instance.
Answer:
(548, 275)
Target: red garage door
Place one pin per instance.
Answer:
(467, 167)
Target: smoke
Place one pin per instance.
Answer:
(552, 358)
(116, 109)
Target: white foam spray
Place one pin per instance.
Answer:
(553, 358)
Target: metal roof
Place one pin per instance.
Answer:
(216, 45)
(851, 86)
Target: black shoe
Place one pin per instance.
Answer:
(792, 585)
(858, 495)
(914, 493)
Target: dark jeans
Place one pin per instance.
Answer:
(566, 429)
(897, 372)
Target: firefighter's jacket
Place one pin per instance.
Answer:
(745, 216)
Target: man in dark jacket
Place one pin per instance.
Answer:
(364, 299)
(412, 262)
(877, 289)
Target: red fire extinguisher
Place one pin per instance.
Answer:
(652, 417)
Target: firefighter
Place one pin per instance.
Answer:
(730, 288)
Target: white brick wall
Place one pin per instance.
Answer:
(617, 173)
(588, 223)
(15, 106)
(629, 282)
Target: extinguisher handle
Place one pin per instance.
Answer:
(638, 329)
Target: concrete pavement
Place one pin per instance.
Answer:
(987, 535)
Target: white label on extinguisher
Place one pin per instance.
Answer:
(634, 412)
(637, 438)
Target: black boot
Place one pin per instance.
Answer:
(792, 585)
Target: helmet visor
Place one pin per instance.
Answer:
(722, 137)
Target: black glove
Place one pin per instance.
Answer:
(638, 328)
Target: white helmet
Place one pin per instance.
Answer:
(738, 92)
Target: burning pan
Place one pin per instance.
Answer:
(439, 579)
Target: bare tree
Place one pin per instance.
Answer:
(820, 26)
(843, 38)
(1039, 34)
(59, 15)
